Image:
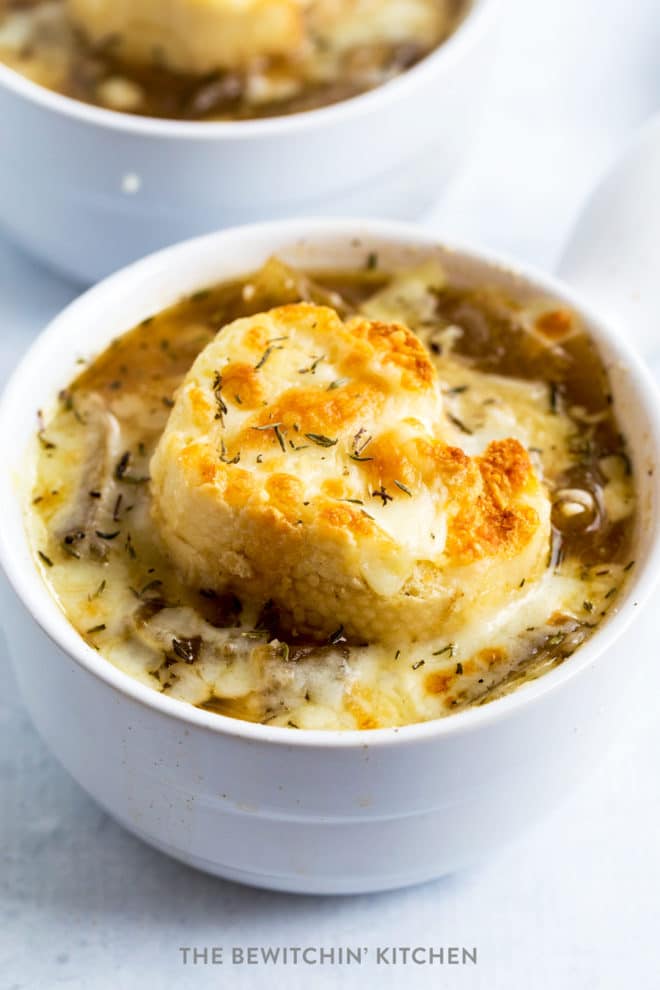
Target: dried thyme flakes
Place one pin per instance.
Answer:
(311, 370)
(359, 446)
(221, 405)
(99, 591)
(121, 471)
(450, 648)
(320, 440)
(223, 455)
(267, 353)
(276, 428)
(459, 424)
(382, 494)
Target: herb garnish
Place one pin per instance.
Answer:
(45, 443)
(588, 606)
(404, 488)
(383, 494)
(221, 405)
(418, 664)
(337, 384)
(321, 440)
(275, 427)
(449, 648)
(47, 561)
(107, 536)
(200, 295)
(313, 366)
(96, 629)
(122, 468)
(460, 424)
(554, 397)
(337, 636)
(359, 448)
(68, 405)
(223, 455)
(266, 354)
(627, 464)
(99, 591)
(459, 668)
(280, 438)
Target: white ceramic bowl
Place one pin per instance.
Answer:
(88, 190)
(312, 811)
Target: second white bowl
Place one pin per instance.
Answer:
(89, 190)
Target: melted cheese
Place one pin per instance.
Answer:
(346, 24)
(305, 461)
(193, 36)
(200, 36)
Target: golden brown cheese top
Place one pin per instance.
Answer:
(303, 446)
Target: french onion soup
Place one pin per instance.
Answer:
(338, 500)
(220, 59)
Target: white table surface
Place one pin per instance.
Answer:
(573, 905)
